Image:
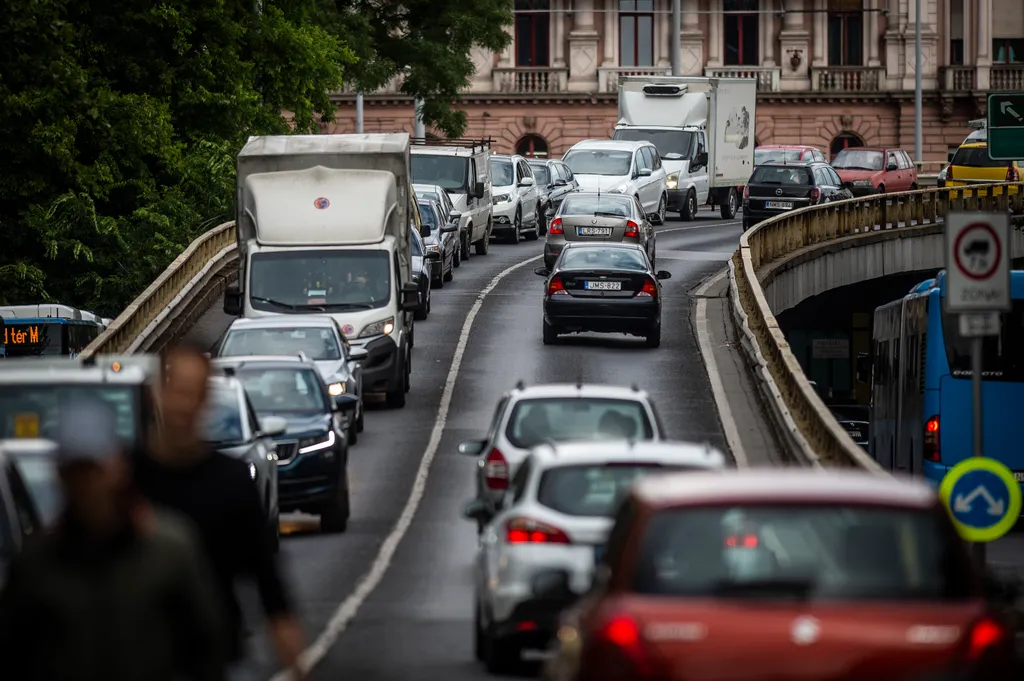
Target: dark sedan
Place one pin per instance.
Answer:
(554, 183)
(422, 274)
(312, 454)
(776, 188)
(603, 288)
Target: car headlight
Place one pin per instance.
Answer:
(383, 327)
(501, 198)
(862, 183)
(252, 470)
(336, 389)
(315, 444)
(431, 248)
(673, 181)
(942, 174)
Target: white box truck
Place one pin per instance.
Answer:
(704, 131)
(323, 227)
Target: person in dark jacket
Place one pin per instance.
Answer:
(118, 591)
(182, 472)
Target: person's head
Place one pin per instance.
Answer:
(183, 397)
(93, 465)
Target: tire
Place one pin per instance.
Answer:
(439, 282)
(542, 221)
(662, 209)
(396, 398)
(353, 433)
(689, 212)
(407, 381)
(913, 187)
(500, 657)
(881, 189)
(457, 258)
(729, 207)
(451, 270)
(428, 301)
(653, 339)
(334, 516)
(517, 224)
(535, 234)
(550, 335)
(420, 315)
(484, 243)
(467, 250)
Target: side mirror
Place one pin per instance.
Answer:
(478, 190)
(357, 354)
(644, 172)
(551, 585)
(233, 301)
(478, 511)
(455, 216)
(664, 274)
(560, 183)
(891, 167)
(450, 228)
(472, 447)
(542, 271)
(273, 425)
(410, 299)
(431, 255)
(345, 402)
(527, 182)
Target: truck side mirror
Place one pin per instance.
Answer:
(410, 300)
(478, 190)
(233, 301)
(701, 160)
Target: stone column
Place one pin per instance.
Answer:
(766, 31)
(895, 52)
(819, 58)
(872, 33)
(968, 16)
(507, 58)
(558, 34)
(692, 40)
(716, 56)
(794, 39)
(583, 49)
(984, 44)
(611, 34)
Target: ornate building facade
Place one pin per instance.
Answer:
(830, 73)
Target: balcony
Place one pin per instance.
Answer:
(530, 80)
(767, 77)
(1006, 77)
(848, 79)
(958, 78)
(608, 77)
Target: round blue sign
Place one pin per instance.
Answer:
(983, 497)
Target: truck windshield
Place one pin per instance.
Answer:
(322, 281)
(448, 172)
(671, 144)
(599, 162)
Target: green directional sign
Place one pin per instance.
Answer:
(1005, 123)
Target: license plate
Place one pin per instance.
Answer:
(1019, 475)
(603, 285)
(782, 205)
(855, 434)
(594, 231)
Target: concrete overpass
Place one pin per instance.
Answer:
(779, 263)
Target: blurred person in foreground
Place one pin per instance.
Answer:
(118, 591)
(184, 473)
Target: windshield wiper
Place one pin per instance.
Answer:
(286, 306)
(351, 306)
(792, 588)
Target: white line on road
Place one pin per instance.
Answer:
(348, 608)
(731, 223)
(732, 433)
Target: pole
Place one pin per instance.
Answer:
(918, 87)
(677, 46)
(419, 130)
(976, 369)
(359, 113)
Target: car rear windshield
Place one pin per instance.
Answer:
(40, 476)
(283, 390)
(592, 490)
(592, 205)
(858, 159)
(602, 259)
(34, 410)
(781, 175)
(610, 163)
(541, 174)
(1002, 356)
(974, 157)
(826, 552)
(564, 419)
(778, 155)
(317, 343)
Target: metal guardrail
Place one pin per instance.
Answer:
(818, 439)
(176, 296)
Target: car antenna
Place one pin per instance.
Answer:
(520, 384)
(579, 378)
(635, 388)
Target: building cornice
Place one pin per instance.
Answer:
(577, 98)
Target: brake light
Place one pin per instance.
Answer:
(650, 290)
(527, 531)
(986, 634)
(815, 194)
(949, 172)
(632, 229)
(627, 658)
(931, 439)
(1012, 175)
(496, 470)
(556, 227)
(749, 541)
(555, 287)
(746, 192)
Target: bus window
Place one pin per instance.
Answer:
(1002, 355)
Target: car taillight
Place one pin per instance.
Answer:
(931, 439)
(527, 531)
(746, 192)
(1012, 175)
(650, 289)
(556, 287)
(986, 634)
(556, 227)
(624, 655)
(632, 229)
(815, 194)
(949, 172)
(748, 541)
(496, 470)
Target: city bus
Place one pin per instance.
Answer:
(47, 330)
(921, 404)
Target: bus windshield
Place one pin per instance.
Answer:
(1002, 355)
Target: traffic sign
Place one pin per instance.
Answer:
(1005, 126)
(983, 498)
(977, 262)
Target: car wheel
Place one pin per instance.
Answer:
(689, 211)
(485, 242)
(396, 398)
(428, 301)
(439, 282)
(408, 373)
(421, 314)
(654, 338)
(466, 250)
(457, 258)
(334, 515)
(729, 207)
(451, 269)
(881, 189)
(662, 208)
(550, 335)
(517, 224)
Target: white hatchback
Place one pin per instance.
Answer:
(555, 517)
(621, 167)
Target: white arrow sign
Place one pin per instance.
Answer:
(963, 504)
(1007, 108)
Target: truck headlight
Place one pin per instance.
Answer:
(431, 248)
(673, 181)
(383, 327)
(336, 389)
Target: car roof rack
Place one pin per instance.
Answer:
(462, 142)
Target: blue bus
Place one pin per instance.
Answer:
(47, 330)
(921, 400)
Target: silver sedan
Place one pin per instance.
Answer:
(591, 217)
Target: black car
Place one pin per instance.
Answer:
(554, 183)
(779, 187)
(603, 288)
(855, 420)
(312, 453)
(440, 238)
(422, 274)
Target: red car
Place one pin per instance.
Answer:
(781, 574)
(876, 170)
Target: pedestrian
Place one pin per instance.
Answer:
(118, 591)
(183, 472)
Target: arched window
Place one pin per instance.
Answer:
(636, 32)
(533, 22)
(532, 146)
(740, 39)
(844, 140)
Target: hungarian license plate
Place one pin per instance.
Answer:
(855, 434)
(782, 205)
(594, 231)
(1019, 475)
(603, 285)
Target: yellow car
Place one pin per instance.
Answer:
(971, 165)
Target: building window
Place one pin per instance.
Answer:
(533, 34)
(1008, 50)
(845, 33)
(741, 33)
(636, 32)
(956, 52)
(844, 140)
(532, 146)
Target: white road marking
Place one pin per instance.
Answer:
(732, 433)
(348, 608)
